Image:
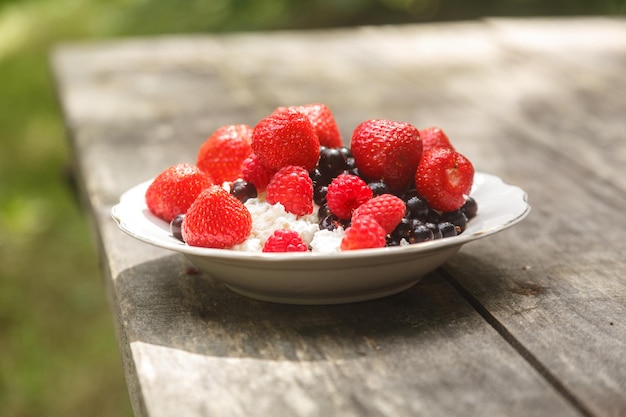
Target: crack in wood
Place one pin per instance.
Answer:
(526, 354)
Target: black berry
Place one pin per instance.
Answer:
(447, 229)
(402, 231)
(332, 162)
(457, 218)
(319, 194)
(243, 190)
(433, 217)
(379, 188)
(417, 207)
(420, 233)
(176, 227)
(332, 222)
(349, 157)
(319, 178)
(435, 229)
(323, 211)
(470, 208)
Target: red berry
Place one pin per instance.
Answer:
(222, 153)
(292, 187)
(364, 232)
(444, 177)
(216, 219)
(255, 172)
(174, 189)
(323, 122)
(387, 150)
(285, 240)
(346, 193)
(387, 209)
(433, 137)
(286, 137)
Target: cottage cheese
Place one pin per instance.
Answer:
(268, 217)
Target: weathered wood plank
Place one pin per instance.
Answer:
(423, 351)
(551, 292)
(564, 295)
(549, 116)
(556, 284)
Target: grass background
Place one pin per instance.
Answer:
(58, 352)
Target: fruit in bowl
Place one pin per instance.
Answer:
(282, 211)
(395, 185)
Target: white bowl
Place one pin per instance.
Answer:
(318, 278)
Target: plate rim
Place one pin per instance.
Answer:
(177, 246)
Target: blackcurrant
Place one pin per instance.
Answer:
(433, 216)
(331, 222)
(402, 231)
(319, 178)
(379, 188)
(435, 229)
(243, 190)
(176, 227)
(420, 233)
(332, 161)
(417, 207)
(470, 208)
(457, 218)
(346, 152)
(323, 211)
(447, 229)
(319, 194)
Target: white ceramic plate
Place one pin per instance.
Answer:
(317, 278)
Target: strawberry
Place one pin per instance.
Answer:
(255, 172)
(174, 189)
(387, 150)
(387, 209)
(364, 232)
(293, 188)
(285, 240)
(286, 137)
(444, 177)
(216, 219)
(434, 137)
(323, 122)
(222, 153)
(345, 193)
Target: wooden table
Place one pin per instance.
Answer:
(530, 322)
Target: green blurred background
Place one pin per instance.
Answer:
(58, 352)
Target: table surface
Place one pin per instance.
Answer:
(529, 322)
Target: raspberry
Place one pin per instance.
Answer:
(285, 240)
(286, 137)
(433, 137)
(323, 122)
(216, 219)
(387, 150)
(255, 172)
(174, 189)
(222, 153)
(346, 193)
(444, 177)
(292, 187)
(386, 209)
(364, 232)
